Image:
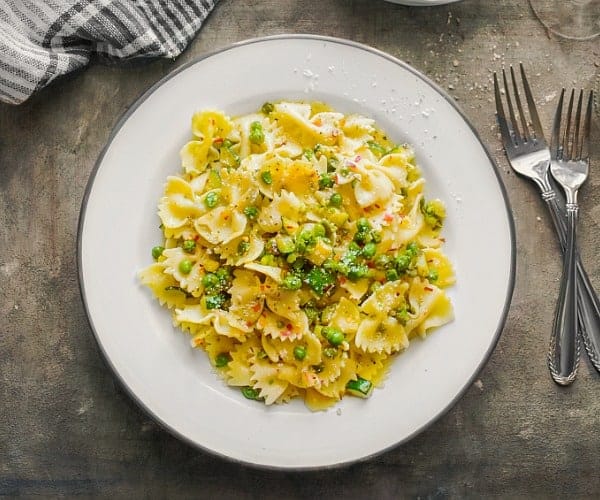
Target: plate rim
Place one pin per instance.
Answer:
(335, 40)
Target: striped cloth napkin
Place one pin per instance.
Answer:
(41, 40)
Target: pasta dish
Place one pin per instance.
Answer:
(299, 251)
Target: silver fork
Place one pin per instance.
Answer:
(529, 155)
(569, 167)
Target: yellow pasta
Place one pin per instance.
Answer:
(300, 251)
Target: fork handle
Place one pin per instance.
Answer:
(563, 358)
(588, 304)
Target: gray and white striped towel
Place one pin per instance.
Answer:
(41, 40)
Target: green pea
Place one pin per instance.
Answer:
(266, 177)
(157, 251)
(210, 280)
(189, 246)
(250, 393)
(391, 275)
(357, 271)
(336, 200)
(211, 199)
(333, 335)
(369, 250)
(291, 282)
(222, 359)
(363, 224)
(185, 266)
(267, 108)
(433, 275)
(300, 352)
(403, 262)
(223, 273)
(412, 248)
(251, 212)
(325, 181)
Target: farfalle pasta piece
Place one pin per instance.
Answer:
(337, 387)
(164, 286)
(178, 205)
(189, 281)
(215, 345)
(371, 366)
(220, 225)
(265, 379)
(431, 307)
(237, 371)
(206, 126)
(373, 188)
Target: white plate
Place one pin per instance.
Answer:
(119, 226)
(422, 3)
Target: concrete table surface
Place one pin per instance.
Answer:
(66, 426)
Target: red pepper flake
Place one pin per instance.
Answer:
(342, 279)
(225, 217)
(377, 205)
(336, 179)
(388, 217)
(289, 326)
(428, 288)
(248, 323)
(218, 140)
(256, 307)
(358, 158)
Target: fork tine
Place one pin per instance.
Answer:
(585, 140)
(535, 119)
(502, 123)
(576, 148)
(513, 126)
(525, 135)
(567, 144)
(555, 139)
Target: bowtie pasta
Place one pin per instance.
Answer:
(299, 251)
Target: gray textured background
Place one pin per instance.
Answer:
(66, 427)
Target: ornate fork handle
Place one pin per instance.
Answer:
(588, 304)
(563, 358)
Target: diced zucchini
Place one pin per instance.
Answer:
(360, 387)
